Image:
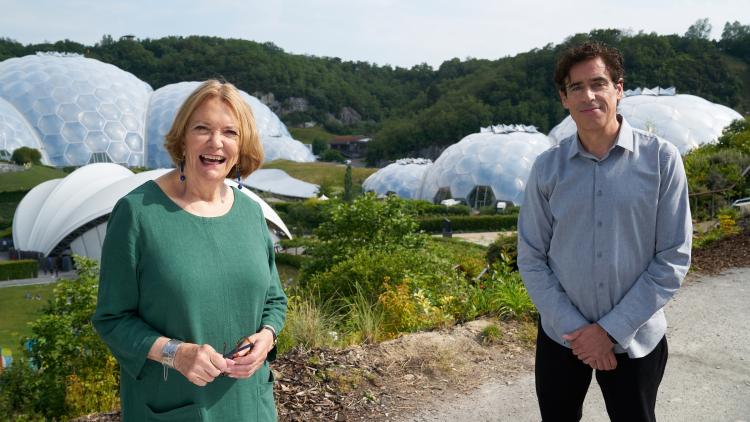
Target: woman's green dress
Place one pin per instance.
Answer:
(204, 280)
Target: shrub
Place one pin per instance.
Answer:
(74, 372)
(332, 155)
(22, 268)
(505, 247)
(307, 325)
(469, 223)
(507, 294)
(407, 308)
(291, 260)
(364, 319)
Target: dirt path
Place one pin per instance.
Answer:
(707, 376)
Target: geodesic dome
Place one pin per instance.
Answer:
(403, 178)
(285, 148)
(163, 107)
(72, 212)
(687, 121)
(81, 110)
(76, 111)
(485, 167)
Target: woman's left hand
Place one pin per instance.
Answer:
(247, 362)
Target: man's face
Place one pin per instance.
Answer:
(591, 96)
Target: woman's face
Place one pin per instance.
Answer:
(211, 142)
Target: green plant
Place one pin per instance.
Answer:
(491, 334)
(73, 369)
(505, 248)
(308, 325)
(508, 295)
(467, 223)
(22, 268)
(332, 155)
(364, 318)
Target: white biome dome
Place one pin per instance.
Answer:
(485, 167)
(81, 110)
(402, 178)
(687, 121)
(166, 100)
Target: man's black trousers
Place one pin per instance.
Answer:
(629, 391)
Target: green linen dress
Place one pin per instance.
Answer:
(203, 280)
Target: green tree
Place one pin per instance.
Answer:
(700, 29)
(348, 192)
(26, 155)
(319, 146)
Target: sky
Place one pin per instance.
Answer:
(394, 32)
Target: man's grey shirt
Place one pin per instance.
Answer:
(608, 240)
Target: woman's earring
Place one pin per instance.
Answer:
(239, 180)
(182, 170)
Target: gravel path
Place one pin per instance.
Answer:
(707, 376)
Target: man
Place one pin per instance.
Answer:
(604, 242)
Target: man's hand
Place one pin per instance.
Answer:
(592, 346)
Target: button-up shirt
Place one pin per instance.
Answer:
(606, 240)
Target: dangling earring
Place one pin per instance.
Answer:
(239, 181)
(182, 170)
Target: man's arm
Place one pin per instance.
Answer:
(534, 236)
(671, 259)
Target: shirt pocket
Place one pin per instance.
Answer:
(187, 413)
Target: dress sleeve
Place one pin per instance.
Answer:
(274, 309)
(116, 317)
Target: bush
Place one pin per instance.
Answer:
(295, 261)
(505, 248)
(319, 146)
(307, 325)
(332, 155)
(22, 268)
(425, 208)
(469, 223)
(73, 371)
(25, 155)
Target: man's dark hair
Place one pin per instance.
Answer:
(590, 49)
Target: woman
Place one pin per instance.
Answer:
(188, 270)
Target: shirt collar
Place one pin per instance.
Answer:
(624, 140)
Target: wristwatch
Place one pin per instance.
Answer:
(272, 330)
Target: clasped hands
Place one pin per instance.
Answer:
(593, 347)
(201, 364)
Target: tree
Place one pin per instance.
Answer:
(26, 155)
(348, 194)
(701, 29)
(319, 146)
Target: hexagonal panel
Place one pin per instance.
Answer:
(97, 141)
(119, 152)
(69, 112)
(50, 125)
(115, 131)
(93, 120)
(109, 111)
(77, 154)
(74, 132)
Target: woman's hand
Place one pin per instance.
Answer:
(200, 364)
(247, 362)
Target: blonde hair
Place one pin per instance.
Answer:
(250, 147)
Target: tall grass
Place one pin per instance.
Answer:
(364, 319)
(308, 325)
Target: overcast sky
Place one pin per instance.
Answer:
(395, 32)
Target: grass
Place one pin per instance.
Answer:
(27, 179)
(307, 135)
(320, 173)
(16, 312)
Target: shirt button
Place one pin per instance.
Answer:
(599, 192)
(601, 285)
(598, 223)
(598, 254)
